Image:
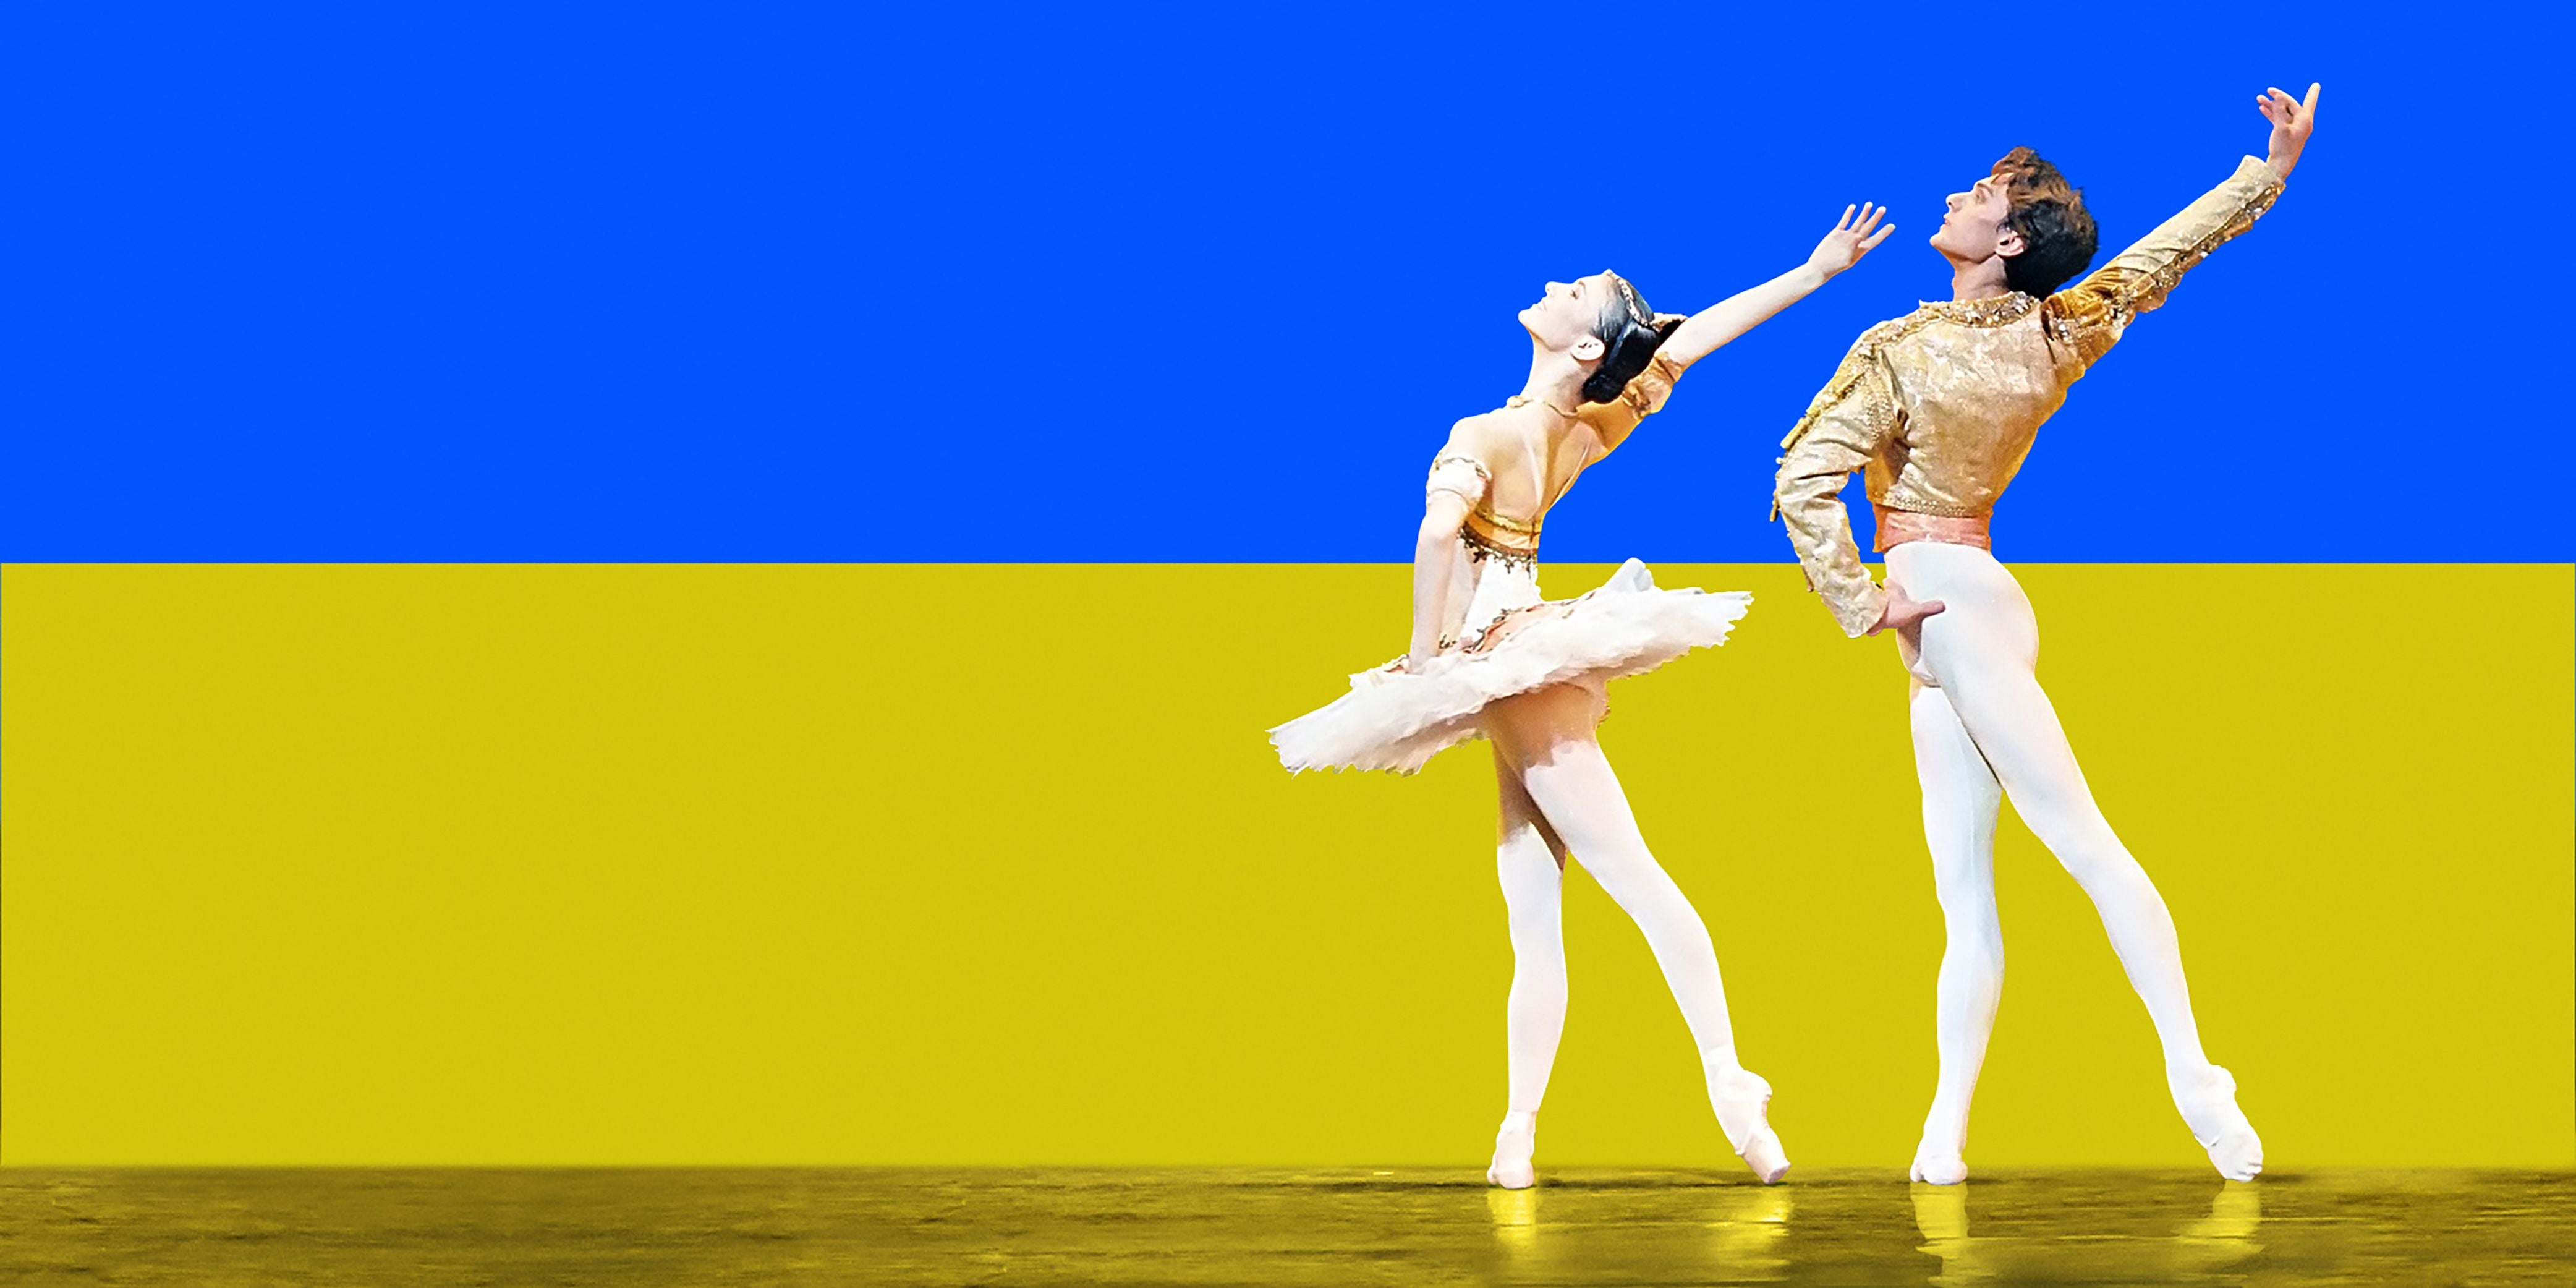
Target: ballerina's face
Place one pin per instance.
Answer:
(1565, 317)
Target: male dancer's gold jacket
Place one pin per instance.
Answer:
(1941, 405)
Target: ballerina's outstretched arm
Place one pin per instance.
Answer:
(1711, 328)
(1704, 332)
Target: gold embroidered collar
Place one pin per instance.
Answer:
(1994, 310)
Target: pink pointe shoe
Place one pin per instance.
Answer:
(2208, 1105)
(1742, 1100)
(1513, 1146)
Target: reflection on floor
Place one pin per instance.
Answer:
(645, 1228)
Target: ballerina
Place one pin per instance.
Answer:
(1940, 406)
(1490, 658)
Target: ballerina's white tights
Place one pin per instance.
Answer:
(1984, 729)
(1559, 796)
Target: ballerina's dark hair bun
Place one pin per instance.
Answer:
(1630, 333)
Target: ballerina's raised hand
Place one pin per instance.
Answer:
(1850, 239)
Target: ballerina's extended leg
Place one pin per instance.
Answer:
(1547, 736)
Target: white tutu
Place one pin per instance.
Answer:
(1394, 720)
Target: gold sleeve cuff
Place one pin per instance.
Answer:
(1858, 609)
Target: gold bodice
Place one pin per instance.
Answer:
(1492, 533)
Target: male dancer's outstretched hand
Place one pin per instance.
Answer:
(1904, 614)
(2291, 121)
(1844, 246)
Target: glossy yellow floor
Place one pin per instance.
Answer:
(644, 1228)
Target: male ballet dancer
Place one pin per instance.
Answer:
(1939, 407)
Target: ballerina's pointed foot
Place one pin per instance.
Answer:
(2208, 1104)
(1937, 1166)
(1765, 1155)
(1743, 1102)
(1513, 1145)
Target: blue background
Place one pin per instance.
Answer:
(971, 283)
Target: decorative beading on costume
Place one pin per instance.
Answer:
(2090, 316)
(2148, 293)
(1993, 310)
(1855, 368)
(1445, 477)
(1481, 548)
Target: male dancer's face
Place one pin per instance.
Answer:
(1974, 232)
(1564, 317)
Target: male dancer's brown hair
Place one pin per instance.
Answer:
(2057, 233)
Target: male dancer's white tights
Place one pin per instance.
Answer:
(1983, 729)
(1559, 796)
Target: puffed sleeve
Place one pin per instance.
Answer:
(2091, 315)
(1643, 396)
(1845, 426)
(1459, 474)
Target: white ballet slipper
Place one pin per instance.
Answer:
(2208, 1105)
(1513, 1145)
(1936, 1166)
(1743, 1102)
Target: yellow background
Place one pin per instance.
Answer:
(968, 865)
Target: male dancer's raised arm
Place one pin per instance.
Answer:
(2092, 314)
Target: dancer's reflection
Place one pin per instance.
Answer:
(2065, 1254)
(1750, 1241)
(1515, 1214)
(1613, 1235)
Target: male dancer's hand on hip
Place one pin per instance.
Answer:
(1903, 614)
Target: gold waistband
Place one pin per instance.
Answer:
(1481, 546)
(1896, 527)
(1501, 533)
(1485, 516)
